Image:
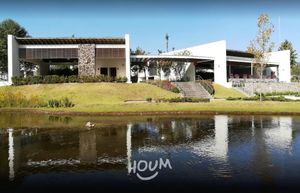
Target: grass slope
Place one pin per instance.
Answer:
(110, 97)
(88, 94)
(223, 92)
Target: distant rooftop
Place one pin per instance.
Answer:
(42, 41)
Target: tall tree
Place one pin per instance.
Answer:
(287, 45)
(180, 67)
(8, 26)
(261, 46)
(163, 66)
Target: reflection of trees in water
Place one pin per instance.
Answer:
(62, 119)
(108, 145)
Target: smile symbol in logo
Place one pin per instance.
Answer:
(142, 166)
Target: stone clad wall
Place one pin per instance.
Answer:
(251, 88)
(87, 60)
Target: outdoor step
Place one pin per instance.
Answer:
(193, 89)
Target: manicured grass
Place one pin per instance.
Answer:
(222, 92)
(110, 97)
(213, 106)
(90, 94)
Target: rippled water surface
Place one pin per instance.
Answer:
(219, 153)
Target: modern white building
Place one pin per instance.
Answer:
(112, 57)
(216, 62)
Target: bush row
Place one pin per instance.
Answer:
(51, 79)
(264, 98)
(164, 84)
(277, 93)
(183, 100)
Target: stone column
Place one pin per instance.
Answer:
(87, 60)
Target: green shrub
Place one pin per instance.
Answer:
(73, 78)
(175, 90)
(253, 98)
(282, 93)
(121, 79)
(16, 80)
(183, 100)
(65, 103)
(17, 99)
(233, 98)
(124, 79)
(52, 79)
(149, 99)
(88, 79)
(36, 79)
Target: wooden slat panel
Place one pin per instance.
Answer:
(110, 53)
(62, 53)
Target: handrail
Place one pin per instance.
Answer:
(208, 87)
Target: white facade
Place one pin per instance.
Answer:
(12, 58)
(216, 52)
(283, 60)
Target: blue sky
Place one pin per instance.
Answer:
(188, 22)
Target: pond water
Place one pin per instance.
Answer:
(220, 153)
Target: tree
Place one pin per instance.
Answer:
(287, 45)
(296, 73)
(139, 66)
(261, 46)
(180, 67)
(8, 26)
(27, 67)
(163, 65)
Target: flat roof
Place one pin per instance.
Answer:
(143, 58)
(238, 53)
(43, 41)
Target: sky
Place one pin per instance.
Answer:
(187, 22)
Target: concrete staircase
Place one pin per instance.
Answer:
(192, 89)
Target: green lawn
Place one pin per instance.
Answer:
(222, 92)
(110, 97)
(90, 94)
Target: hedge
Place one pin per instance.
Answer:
(183, 100)
(264, 98)
(52, 79)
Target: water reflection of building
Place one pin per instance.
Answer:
(116, 147)
(280, 135)
(215, 146)
(87, 147)
(100, 148)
